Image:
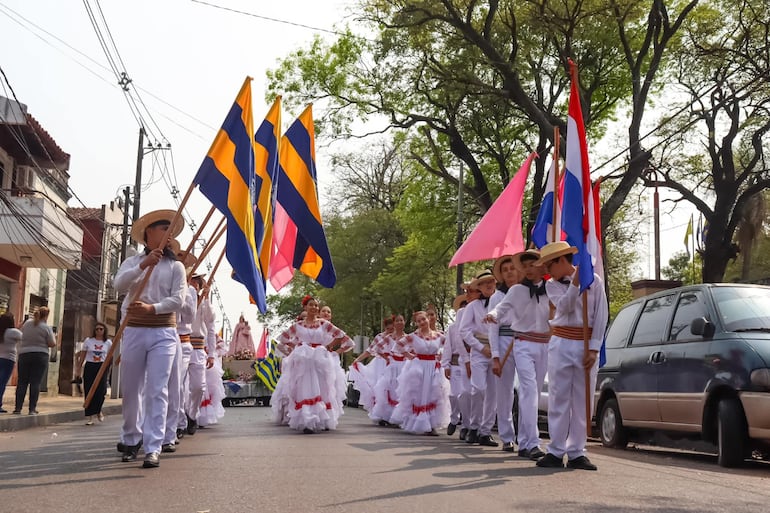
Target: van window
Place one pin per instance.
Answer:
(653, 322)
(620, 329)
(691, 306)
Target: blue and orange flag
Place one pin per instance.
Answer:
(266, 160)
(299, 240)
(227, 178)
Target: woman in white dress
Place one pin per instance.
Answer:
(311, 388)
(365, 377)
(423, 394)
(386, 389)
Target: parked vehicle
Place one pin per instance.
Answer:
(691, 362)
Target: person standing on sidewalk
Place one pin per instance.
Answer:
(36, 340)
(150, 339)
(92, 354)
(9, 337)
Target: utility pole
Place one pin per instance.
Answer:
(124, 237)
(138, 182)
(460, 227)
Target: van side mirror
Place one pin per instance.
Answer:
(703, 327)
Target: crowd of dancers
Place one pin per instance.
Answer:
(509, 321)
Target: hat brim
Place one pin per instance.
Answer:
(140, 225)
(458, 301)
(556, 254)
(519, 265)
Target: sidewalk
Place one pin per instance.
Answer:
(53, 410)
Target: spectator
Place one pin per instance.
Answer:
(9, 337)
(92, 353)
(36, 340)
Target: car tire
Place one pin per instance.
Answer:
(732, 436)
(611, 430)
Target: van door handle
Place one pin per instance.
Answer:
(654, 358)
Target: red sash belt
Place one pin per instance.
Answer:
(540, 338)
(397, 358)
(571, 332)
(427, 357)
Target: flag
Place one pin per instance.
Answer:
(687, 235)
(299, 241)
(542, 232)
(499, 230)
(269, 369)
(266, 162)
(576, 215)
(703, 231)
(262, 346)
(595, 248)
(227, 178)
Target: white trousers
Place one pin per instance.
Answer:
(181, 418)
(459, 394)
(483, 392)
(146, 360)
(531, 366)
(175, 396)
(504, 392)
(567, 397)
(196, 382)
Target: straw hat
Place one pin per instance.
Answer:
(517, 258)
(189, 260)
(497, 268)
(554, 250)
(482, 276)
(458, 301)
(141, 224)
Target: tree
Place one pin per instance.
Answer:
(724, 64)
(683, 267)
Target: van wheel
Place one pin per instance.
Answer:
(732, 436)
(611, 429)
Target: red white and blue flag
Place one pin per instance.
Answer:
(577, 221)
(543, 232)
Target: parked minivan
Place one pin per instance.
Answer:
(691, 362)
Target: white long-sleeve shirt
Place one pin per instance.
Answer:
(203, 325)
(569, 307)
(185, 317)
(473, 320)
(165, 290)
(522, 312)
(454, 344)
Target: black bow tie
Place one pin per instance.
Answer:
(486, 302)
(535, 290)
(565, 281)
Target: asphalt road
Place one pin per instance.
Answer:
(248, 464)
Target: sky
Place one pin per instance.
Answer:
(187, 61)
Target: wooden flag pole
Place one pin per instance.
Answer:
(198, 233)
(507, 353)
(213, 271)
(219, 231)
(148, 272)
(587, 370)
(555, 179)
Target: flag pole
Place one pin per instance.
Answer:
(555, 179)
(213, 271)
(118, 334)
(200, 230)
(218, 231)
(587, 370)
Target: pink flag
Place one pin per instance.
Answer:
(499, 231)
(284, 242)
(262, 346)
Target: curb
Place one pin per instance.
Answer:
(10, 422)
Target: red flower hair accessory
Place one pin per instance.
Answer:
(306, 300)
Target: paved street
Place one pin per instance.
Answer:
(248, 464)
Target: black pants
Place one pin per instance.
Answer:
(32, 367)
(89, 376)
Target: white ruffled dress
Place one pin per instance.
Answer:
(422, 388)
(386, 390)
(312, 385)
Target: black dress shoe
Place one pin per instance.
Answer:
(472, 437)
(463, 433)
(168, 448)
(508, 447)
(535, 454)
(581, 463)
(550, 461)
(151, 460)
(180, 433)
(308, 431)
(131, 451)
(121, 447)
(192, 426)
(450, 429)
(383, 423)
(524, 453)
(432, 432)
(488, 441)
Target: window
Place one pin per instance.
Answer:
(691, 306)
(617, 335)
(653, 321)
